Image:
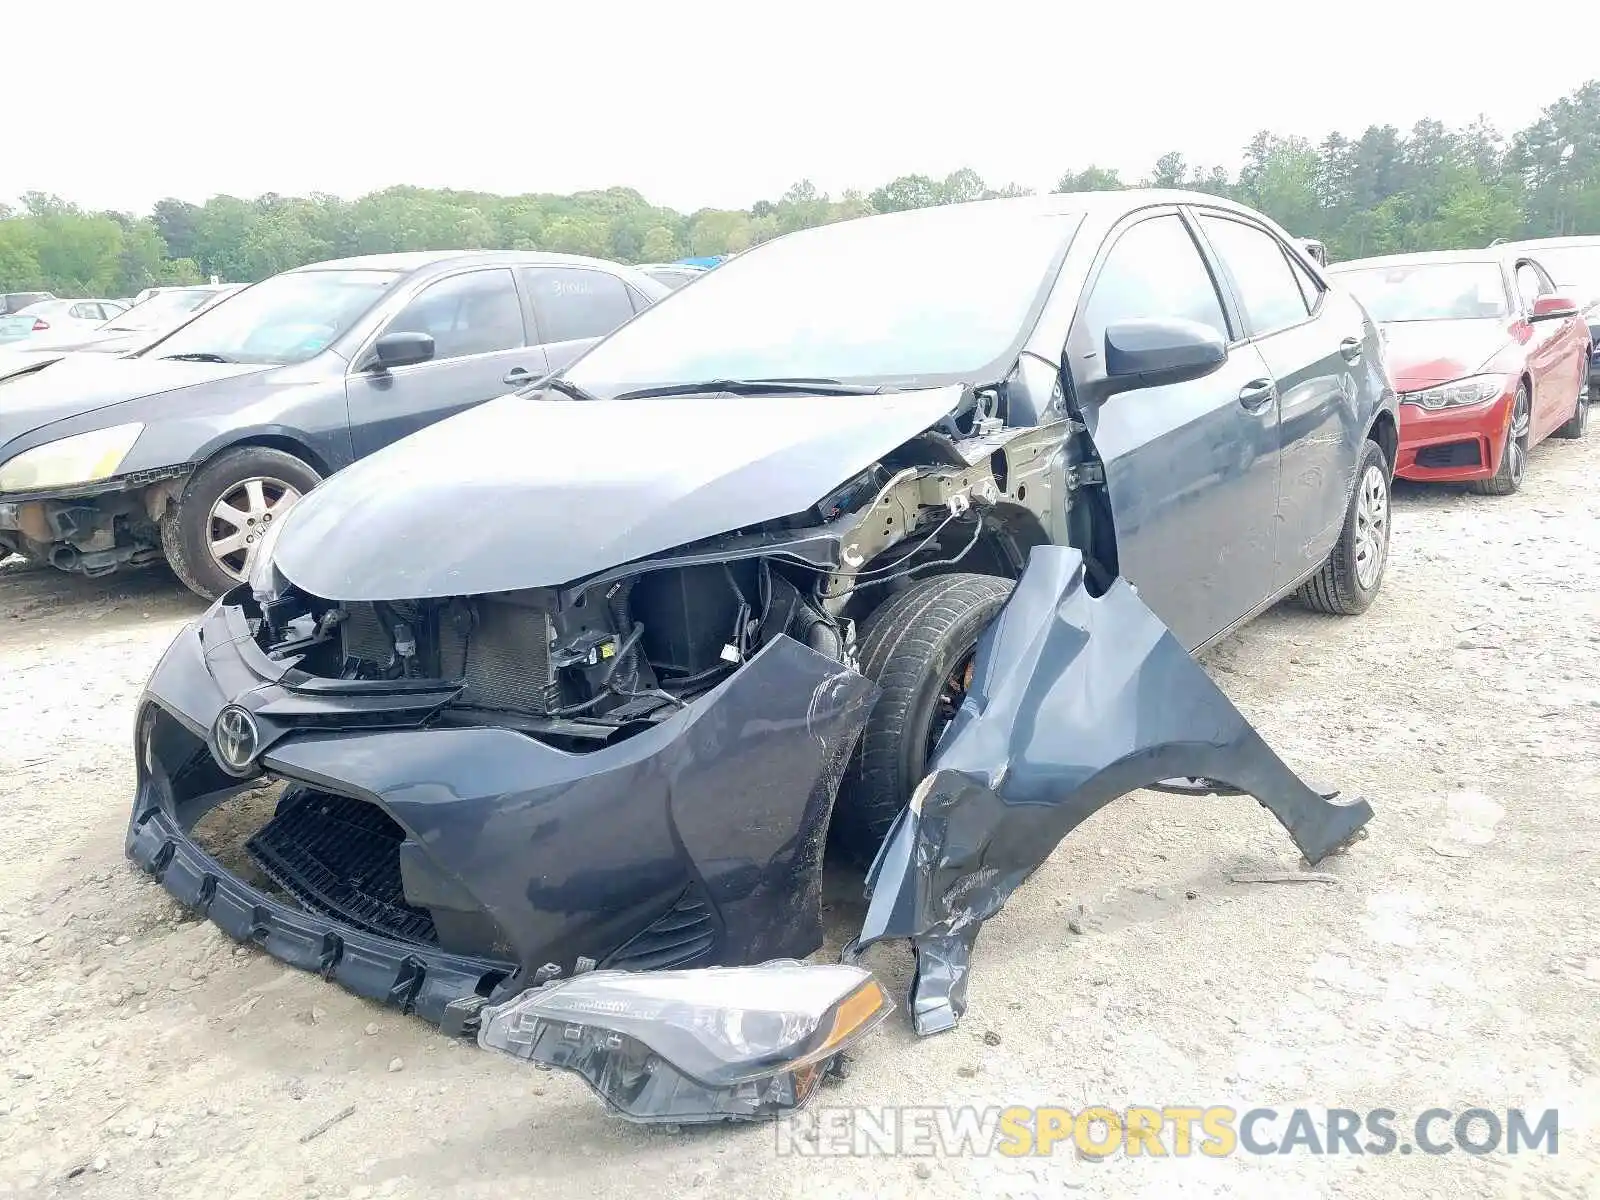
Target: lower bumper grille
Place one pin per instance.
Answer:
(341, 857)
(1451, 454)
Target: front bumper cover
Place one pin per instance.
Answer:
(693, 843)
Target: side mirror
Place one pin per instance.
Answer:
(1553, 308)
(401, 349)
(1155, 351)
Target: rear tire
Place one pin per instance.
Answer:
(258, 484)
(1514, 457)
(1578, 424)
(1348, 582)
(910, 647)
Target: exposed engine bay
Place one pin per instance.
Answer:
(589, 663)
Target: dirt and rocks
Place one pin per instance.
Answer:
(1451, 960)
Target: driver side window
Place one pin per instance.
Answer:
(1153, 270)
(1530, 285)
(474, 313)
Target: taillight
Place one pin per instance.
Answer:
(39, 323)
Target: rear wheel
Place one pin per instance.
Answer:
(918, 648)
(1514, 457)
(226, 508)
(1349, 580)
(1578, 424)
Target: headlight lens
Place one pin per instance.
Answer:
(715, 1044)
(1475, 389)
(83, 458)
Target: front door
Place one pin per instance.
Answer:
(480, 351)
(1191, 468)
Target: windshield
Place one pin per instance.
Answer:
(1428, 291)
(1574, 268)
(935, 293)
(285, 319)
(164, 308)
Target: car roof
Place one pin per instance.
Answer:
(1494, 256)
(1533, 245)
(417, 260)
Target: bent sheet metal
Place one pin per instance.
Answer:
(1075, 700)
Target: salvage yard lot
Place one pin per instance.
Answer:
(1453, 962)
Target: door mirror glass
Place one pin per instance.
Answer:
(1551, 308)
(1150, 352)
(402, 348)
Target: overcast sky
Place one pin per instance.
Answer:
(707, 102)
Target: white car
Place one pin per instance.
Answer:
(57, 317)
(135, 328)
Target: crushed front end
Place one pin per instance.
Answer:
(440, 821)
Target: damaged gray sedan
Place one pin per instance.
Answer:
(845, 544)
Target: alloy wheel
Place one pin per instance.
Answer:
(240, 519)
(1372, 526)
(1517, 436)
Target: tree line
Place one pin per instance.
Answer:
(1384, 191)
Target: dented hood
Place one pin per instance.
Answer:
(529, 492)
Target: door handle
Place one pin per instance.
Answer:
(1258, 394)
(1351, 349)
(517, 375)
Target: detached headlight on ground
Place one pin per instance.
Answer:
(717, 1044)
(1475, 389)
(83, 458)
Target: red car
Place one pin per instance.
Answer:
(1488, 357)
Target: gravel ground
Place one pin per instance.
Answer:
(1453, 961)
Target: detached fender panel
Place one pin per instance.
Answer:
(1074, 702)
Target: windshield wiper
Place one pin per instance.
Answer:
(755, 387)
(570, 390)
(197, 356)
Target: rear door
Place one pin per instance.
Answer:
(481, 351)
(1310, 347)
(1191, 468)
(574, 307)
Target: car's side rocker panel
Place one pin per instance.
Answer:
(1075, 701)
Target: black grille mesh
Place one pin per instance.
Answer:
(684, 937)
(341, 857)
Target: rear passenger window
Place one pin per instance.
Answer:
(1269, 292)
(1310, 289)
(574, 303)
(1153, 270)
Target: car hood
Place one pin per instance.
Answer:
(1419, 354)
(524, 492)
(39, 389)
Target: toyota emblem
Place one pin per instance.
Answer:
(236, 738)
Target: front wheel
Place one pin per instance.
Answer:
(1514, 457)
(918, 648)
(226, 508)
(1348, 582)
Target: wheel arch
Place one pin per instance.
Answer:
(1385, 431)
(270, 438)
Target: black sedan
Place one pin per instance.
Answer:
(192, 447)
(838, 543)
